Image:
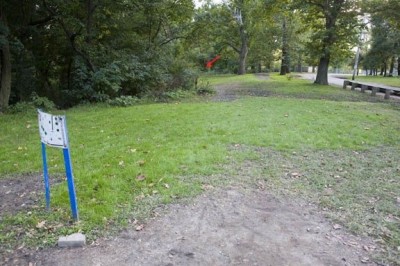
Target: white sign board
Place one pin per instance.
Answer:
(53, 130)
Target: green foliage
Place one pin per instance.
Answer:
(21, 107)
(204, 88)
(385, 44)
(42, 102)
(36, 102)
(76, 53)
(108, 80)
(123, 101)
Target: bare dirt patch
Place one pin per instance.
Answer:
(19, 193)
(233, 226)
(232, 91)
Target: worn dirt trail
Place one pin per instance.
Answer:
(234, 226)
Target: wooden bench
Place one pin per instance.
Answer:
(374, 88)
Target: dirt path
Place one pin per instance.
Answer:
(232, 91)
(234, 226)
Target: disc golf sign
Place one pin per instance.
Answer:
(53, 132)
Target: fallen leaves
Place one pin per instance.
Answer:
(141, 162)
(295, 175)
(364, 260)
(141, 177)
(206, 187)
(337, 226)
(369, 248)
(139, 227)
(40, 224)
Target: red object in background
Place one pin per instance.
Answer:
(210, 63)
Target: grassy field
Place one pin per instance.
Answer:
(390, 81)
(343, 145)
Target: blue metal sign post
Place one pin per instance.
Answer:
(53, 132)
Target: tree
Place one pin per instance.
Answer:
(385, 36)
(235, 26)
(333, 23)
(285, 65)
(91, 50)
(5, 62)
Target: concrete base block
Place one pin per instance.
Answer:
(74, 240)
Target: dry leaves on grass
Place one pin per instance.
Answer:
(139, 227)
(40, 224)
(141, 177)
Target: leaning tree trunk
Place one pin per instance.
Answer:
(322, 73)
(5, 69)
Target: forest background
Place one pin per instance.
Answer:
(60, 54)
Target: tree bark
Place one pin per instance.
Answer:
(5, 69)
(243, 55)
(285, 50)
(398, 66)
(391, 69)
(322, 73)
(331, 11)
(244, 49)
(244, 39)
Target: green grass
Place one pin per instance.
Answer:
(357, 189)
(169, 143)
(390, 81)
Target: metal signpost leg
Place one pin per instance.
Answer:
(46, 177)
(71, 185)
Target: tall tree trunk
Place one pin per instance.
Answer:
(285, 50)
(244, 39)
(244, 48)
(5, 69)
(391, 69)
(331, 13)
(322, 73)
(242, 58)
(398, 66)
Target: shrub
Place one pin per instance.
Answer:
(42, 102)
(204, 89)
(123, 101)
(36, 102)
(21, 107)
